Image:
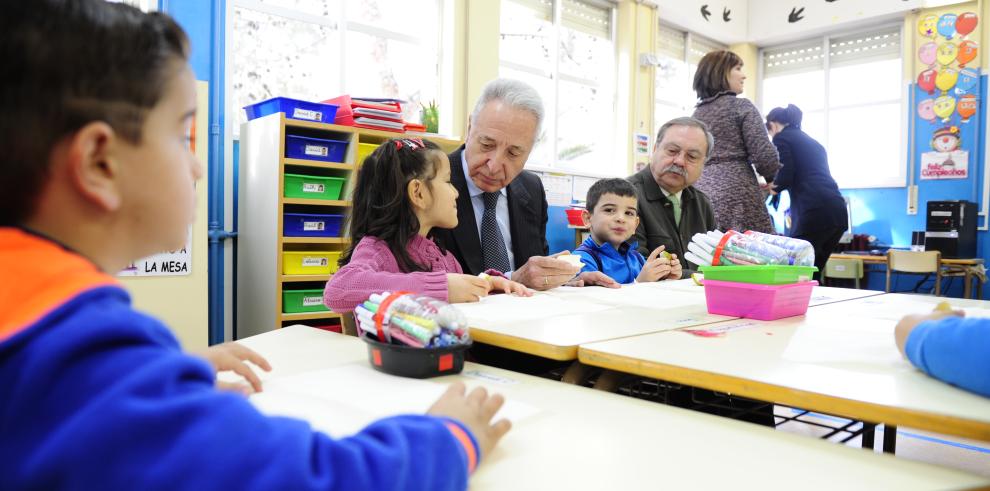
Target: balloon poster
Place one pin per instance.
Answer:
(946, 95)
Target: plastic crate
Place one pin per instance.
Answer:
(311, 225)
(308, 148)
(409, 361)
(767, 274)
(309, 262)
(574, 216)
(364, 150)
(293, 109)
(312, 187)
(298, 301)
(755, 301)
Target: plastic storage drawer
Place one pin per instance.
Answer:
(754, 301)
(364, 150)
(309, 262)
(308, 148)
(293, 109)
(298, 301)
(312, 187)
(311, 225)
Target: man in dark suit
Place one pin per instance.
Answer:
(501, 208)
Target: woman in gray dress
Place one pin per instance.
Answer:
(741, 144)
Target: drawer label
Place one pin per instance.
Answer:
(314, 261)
(313, 226)
(307, 114)
(317, 150)
(312, 301)
(310, 187)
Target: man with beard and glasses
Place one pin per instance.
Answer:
(671, 210)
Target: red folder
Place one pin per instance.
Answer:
(347, 105)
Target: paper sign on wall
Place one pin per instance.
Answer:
(172, 263)
(945, 165)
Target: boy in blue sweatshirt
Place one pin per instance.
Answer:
(609, 258)
(96, 172)
(949, 347)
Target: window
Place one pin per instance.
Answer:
(678, 54)
(850, 90)
(318, 49)
(566, 50)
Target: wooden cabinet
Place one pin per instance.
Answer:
(262, 205)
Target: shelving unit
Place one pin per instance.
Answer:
(262, 205)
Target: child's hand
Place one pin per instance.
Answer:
(589, 278)
(463, 288)
(676, 270)
(909, 322)
(506, 285)
(475, 411)
(657, 266)
(231, 356)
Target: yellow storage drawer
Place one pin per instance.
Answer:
(309, 262)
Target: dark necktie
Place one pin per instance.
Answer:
(492, 244)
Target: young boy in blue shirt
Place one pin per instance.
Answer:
(97, 171)
(612, 216)
(949, 347)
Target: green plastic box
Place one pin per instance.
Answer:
(766, 274)
(298, 301)
(312, 187)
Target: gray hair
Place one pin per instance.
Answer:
(514, 93)
(692, 122)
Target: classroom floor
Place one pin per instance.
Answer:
(942, 450)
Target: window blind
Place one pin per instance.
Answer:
(862, 48)
(670, 42)
(803, 57)
(701, 46)
(590, 18)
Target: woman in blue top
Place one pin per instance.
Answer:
(818, 211)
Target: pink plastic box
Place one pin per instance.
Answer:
(755, 301)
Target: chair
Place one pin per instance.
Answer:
(850, 269)
(917, 263)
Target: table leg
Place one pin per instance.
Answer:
(889, 438)
(869, 431)
(968, 287)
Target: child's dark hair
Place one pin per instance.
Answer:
(788, 116)
(69, 63)
(614, 185)
(381, 206)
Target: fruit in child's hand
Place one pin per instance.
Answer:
(665, 254)
(698, 278)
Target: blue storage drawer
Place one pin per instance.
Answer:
(293, 109)
(311, 225)
(304, 147)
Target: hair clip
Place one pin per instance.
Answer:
(412, 143)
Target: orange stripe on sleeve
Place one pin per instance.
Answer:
(37, 276)
(465, 441)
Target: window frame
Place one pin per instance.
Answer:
(686, 59)
(894, 181)
(555, 76)
(339, 22)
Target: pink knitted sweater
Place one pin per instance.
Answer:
(373, 269)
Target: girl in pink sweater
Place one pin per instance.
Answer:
(403, 191)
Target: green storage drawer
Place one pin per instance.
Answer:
(767, 274)
(312, 187)
(298, 301)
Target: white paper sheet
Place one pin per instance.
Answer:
(839, 342)
(647, 295)
(509, 309)
(343, 400)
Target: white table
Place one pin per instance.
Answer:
(838, 358)
(584, 439)
(553, 324)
